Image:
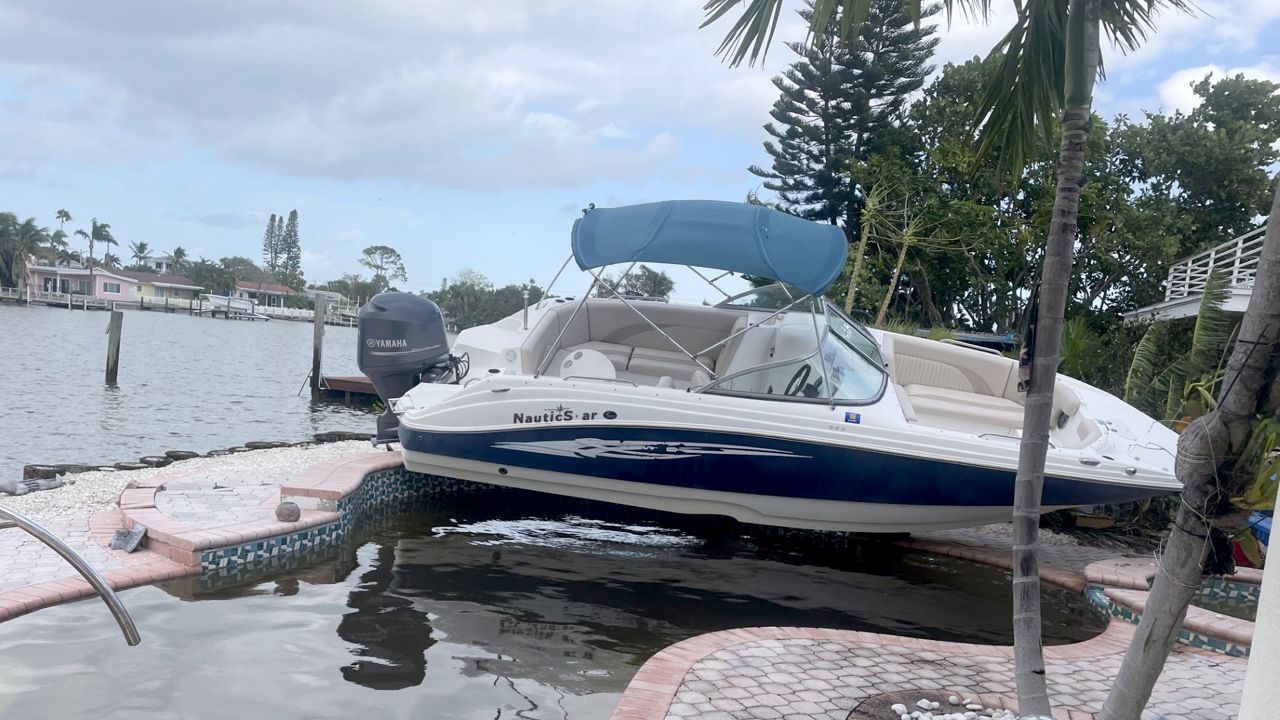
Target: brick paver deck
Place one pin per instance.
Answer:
(794, 673)
(219, 504)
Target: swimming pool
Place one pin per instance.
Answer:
(469, 609)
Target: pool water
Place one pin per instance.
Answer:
(468, 610)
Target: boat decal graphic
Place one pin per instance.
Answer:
(640, 449)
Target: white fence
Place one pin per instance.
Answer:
(1236, 260)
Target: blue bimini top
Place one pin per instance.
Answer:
(714, 234)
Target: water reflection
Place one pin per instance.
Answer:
(483, 607)
(578, 604)
(390, 634)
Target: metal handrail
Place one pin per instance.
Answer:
(100, 586)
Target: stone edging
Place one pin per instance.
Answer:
(654, 687)
(987, 556)
(1119, 587)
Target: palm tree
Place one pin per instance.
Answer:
(1051, 57)
(140, 251)
(179, 258)
(55, 248)
(64, 217)
(99, 233)
(110, 261)
(19, 241)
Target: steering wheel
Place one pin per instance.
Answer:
(795, 385)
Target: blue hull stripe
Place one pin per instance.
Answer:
(729, 462)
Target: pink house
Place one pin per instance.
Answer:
(125, 285)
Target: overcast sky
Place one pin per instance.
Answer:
(464, 134)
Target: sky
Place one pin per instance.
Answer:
(465, 135)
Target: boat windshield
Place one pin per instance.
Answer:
(770, 297)
(853, 333)
(848, 371)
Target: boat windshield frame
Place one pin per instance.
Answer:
(822, 336)
(821, 333)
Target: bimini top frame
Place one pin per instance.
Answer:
(732, 237)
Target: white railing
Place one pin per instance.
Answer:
(45, 297)
(1236, 260)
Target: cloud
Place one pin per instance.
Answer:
(553, 93)
(1176, 93)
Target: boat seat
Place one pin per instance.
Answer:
(617, 353)
(960, 410)
(747, 350)
(587, 363)
(647, 361)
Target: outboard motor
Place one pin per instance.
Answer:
(403, 343)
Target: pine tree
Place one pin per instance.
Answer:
(291, 253)
(271, 246)
(840, 103)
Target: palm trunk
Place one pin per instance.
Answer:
(893, 282)
(857, 268)
(1207, 447)
(93, 287)
(1055, 276)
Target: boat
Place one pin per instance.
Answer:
(231, 307)
(771, 407)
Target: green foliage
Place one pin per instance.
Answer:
(19, 240)
(213, 277)
(290, 270)
(140, 252)
(839, 104)
(1078, 355)
(353, 286)
(1214, 164)
(282, 250)
(179, 259)
(1173, 377)
(271, 246)
(386, 264)
(471, 299)
(1023, 99)
(644, 282)
(1258, 469)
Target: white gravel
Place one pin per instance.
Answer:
(100, 490)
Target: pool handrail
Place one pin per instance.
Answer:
(100, 586)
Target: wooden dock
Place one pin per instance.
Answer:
(348, 388)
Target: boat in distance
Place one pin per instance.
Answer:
(771, 407)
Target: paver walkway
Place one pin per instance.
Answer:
(794, 673)
(204, 494)
(24, 560)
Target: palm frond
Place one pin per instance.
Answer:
(751, 35)
(1026, 92)
(1212, 331)
(1127, 22)
(1142, 369)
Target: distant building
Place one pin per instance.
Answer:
(124, 285)
(330, 296)
(163, 265)
(265, 294)
(151, 285)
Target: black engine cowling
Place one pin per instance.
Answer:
(402, 337)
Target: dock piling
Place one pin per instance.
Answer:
(114, 327)
(317, 346)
